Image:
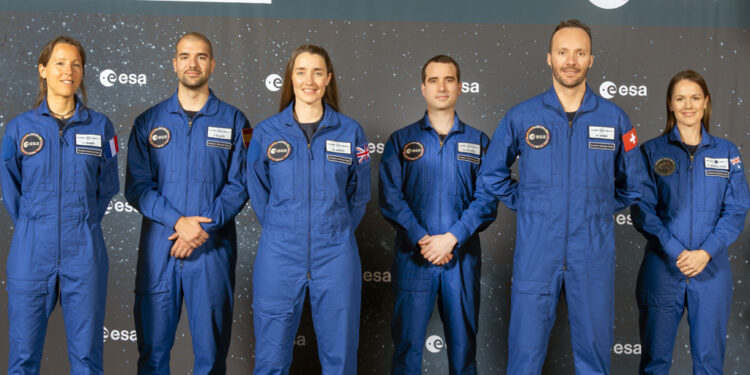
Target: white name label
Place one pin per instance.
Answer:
(602, 132)
(91, 140)
(220, 133)
(339, 147)
(718, 163)
(470, 148)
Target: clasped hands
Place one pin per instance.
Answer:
(438, 249)
(188, 236)
(692, 262)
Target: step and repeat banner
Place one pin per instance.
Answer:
(378, 48)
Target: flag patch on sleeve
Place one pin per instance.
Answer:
(112, 148)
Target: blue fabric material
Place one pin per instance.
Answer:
(199, 171)
(56, 194)
(695, 204)
(309, 200)
(567, 190)
(434, 194)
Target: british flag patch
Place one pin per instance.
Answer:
(363, 154)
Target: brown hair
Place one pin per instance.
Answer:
(692, 76)
(444, 59)
(331, 96)
(44, 57)
(572, 23)
(196, 35)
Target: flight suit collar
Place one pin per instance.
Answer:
(81, 113)
(707, 139)
(209, 109)
(330, 120)
(458, 125)
(589, 103)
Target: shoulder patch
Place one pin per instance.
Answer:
(247, 135)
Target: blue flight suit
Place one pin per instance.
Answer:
(180, 167)
(428, 186)
(573, 176)
(56, 187)
(688, 203)
(309, 198)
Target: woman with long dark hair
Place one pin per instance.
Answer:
(58, 172)
(693, 207)
(309, 182)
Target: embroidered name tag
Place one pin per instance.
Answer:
(219, 133)
(339, 159)
(89, 151)
(90, 140)
(715, 173)
(469, 158)
(338, 147)
(602, 146)
(219, 144)
(716, 163)
(469, 148)
(602, 132)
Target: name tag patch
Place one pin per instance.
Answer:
(219, 144)
(219, 133)
(716, 163)
(468, 158)
(715, 173)
(469, 148)
(89, 151)
(339, 159)
(90, 140)
(338, 147)
(602, 132)
(602, 146)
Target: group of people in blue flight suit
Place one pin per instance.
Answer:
(193, 161)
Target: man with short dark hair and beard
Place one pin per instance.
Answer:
(578, 164)
(185, 174)
(428, 191)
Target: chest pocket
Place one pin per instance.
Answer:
(540, 148)
(217, 145)
(85, 152)
(713, 171)
(37, 170)
(284, 169)
(671, 182)
(599, 145)
(338, 161)
(417, 163)
(468, 159)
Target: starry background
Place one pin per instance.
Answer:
(377, 65)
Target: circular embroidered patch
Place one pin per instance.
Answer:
(665, 167)
(31, 144)
(537, 136)
(159, 137)
(279, 150)
(413, 151)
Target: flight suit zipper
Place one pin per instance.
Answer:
(567, 191)
(59, 199)
(692, 189)
(309, 208)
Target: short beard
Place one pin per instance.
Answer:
(194, 85)
(572, 85)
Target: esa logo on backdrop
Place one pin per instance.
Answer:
(119, 335)
(376, 276)
(434, 344)
(470, 87)
(609, 89)
(109, 78)
(627, 349)
(117, 205)
(274, 82)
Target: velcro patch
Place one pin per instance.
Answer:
(89, 140)
(413, 151)
(89, 151)
(339, 159)
(159, 137)
(469, 158)
(716, 163)
(338, 147)
(279, 150)
(715, 173)
(602, 132)
(602, 146)
(247, 135)
(219, 133)
(31, 144)
(219, 144)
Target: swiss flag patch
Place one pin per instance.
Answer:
(629, 140)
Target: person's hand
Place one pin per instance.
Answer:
(692, 263)
(180, 249)
(438, 249)
(189, 230)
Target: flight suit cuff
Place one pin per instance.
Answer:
(673, 248)
(712, 246)
(171, 217)
(415, 233)
(459, 231)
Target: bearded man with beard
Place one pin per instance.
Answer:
(578, 164)
(186, 163)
